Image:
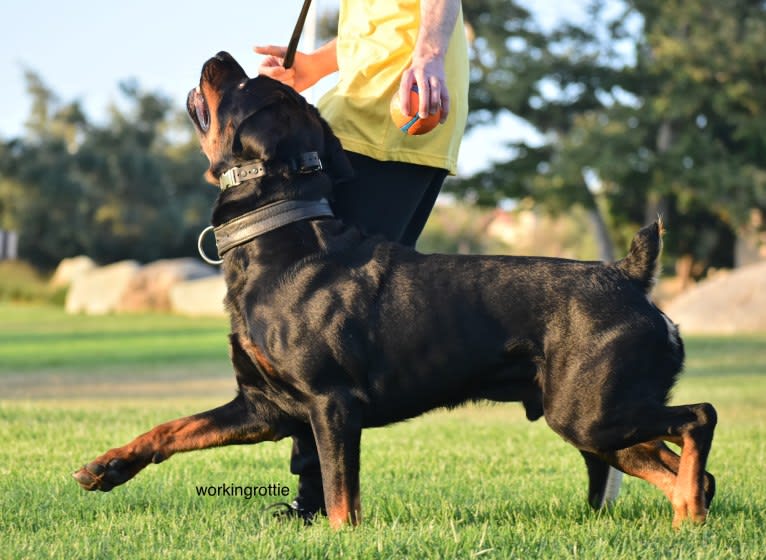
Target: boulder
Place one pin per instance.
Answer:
(729, 302)
(69, 269)
(149, 289)
(199, 297)
(97, 291)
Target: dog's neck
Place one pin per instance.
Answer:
(262, 191)
(263, 220)
(263, 262)
(254, 208)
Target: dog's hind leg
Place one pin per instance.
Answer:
(656, 463)
(690, 498)
(647, 461)
(683, 480)
(604, 481)
(229, 424)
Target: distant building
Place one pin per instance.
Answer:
(9, 245)
(511, 227)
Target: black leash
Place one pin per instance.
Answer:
(293, 44)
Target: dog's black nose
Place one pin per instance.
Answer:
(222, 70)
(223, 56)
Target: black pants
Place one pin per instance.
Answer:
(390, 198)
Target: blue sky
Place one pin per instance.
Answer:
(82, 49)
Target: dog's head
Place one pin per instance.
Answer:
(240, 119)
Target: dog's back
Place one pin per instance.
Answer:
(424, 331)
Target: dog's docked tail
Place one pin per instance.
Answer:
(642, 263)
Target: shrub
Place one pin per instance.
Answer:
(21, 282)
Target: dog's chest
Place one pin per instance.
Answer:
(257, 357)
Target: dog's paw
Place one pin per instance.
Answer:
(104, 474)
(689, 508)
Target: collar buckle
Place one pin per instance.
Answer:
(229, 179)
(238, 175)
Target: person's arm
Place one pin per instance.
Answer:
(307, 69)
(437, 22)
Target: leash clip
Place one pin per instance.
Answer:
(309, 163)
(202, 253)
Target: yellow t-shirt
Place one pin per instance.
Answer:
(376, 39)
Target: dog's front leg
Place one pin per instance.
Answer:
(228, 424)
(336, 422)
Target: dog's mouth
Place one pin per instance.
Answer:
(198, 109)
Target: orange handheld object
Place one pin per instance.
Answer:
(412, 125)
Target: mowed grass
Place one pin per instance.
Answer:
(34, 338)
(479, 481)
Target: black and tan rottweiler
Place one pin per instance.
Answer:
(333, 331)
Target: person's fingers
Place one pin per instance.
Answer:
(271, 61)
(405, 85)
(435, 95)
(424, 97)
(279, 73)
(272, 50)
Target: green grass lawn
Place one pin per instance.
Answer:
(479, 481)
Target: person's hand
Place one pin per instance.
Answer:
(300, 76)
(428, 74)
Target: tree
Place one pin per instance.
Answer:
(549, 79)
(518, 68)
(121, 190)
(40, 197)
(647, 106)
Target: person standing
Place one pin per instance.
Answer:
(383, 46)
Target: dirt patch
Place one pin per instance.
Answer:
(57, 386)
(730, 302)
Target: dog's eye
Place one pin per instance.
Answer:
(203, 116)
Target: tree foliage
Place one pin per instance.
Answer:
(130, 188)
(645, 107)
(642, 107)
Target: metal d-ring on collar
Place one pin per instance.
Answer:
(201, 250)
(262, 220)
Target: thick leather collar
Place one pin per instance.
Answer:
(262, 220)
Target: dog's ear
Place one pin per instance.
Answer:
(334, 160)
